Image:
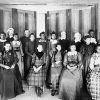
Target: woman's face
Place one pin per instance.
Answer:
(11, 32)
(92, 34)
(27, 33)
(2, 36)
(40, 48)
(72, 48)
(53, 36)
(42, 36)
(32, 38)
(58, 47)
(98, 49)
(7, 47)
(15, 37)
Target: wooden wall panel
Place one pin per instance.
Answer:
(7, 20)
(21, 23)
(1, 21)
(15, 20)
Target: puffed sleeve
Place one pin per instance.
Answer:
(80, 65)
(65, 60)
(15, 58)
(91, 65)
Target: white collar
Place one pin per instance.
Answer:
(2, 40)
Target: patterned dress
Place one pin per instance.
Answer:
(11, 84)
(93, 78)
(38, 78)
(71, 79)
(56, 68)
(17, 47)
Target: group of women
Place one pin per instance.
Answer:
(57, 63)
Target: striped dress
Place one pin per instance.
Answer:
(56, 68)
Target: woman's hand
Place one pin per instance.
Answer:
(13, 66)
(7, 67)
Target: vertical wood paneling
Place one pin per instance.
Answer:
(7, 20)
(21, 23)
(94, 19)
(62, 21)
(35, 21)
(1, 21)
(47, 23)
(75, 21)
(26, 21)
(68, 23)
(52, 25)
(30, 22)
(57, 24)
(80, 22)
(86, 20)
(15, 20)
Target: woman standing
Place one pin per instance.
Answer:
(56, 67)
(10, 33)
(93, 77)
(88, 49)
(37, 75)
(17, 47)
(71, 80)
(10, 85)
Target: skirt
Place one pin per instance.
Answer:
(93, 85)
(55, 75)
(36, 79)
(9, 85)
(20, 64)
(70, 85)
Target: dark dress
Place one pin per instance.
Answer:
(29, 50)
(64, 44)
(11, 84)
(10, 39)
(24, 40)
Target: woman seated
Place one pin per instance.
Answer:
(11, 84)
(71, 79)
(37, 74)
(93, 78)
(56, 67)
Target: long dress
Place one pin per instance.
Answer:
(11, 84)
(56, 67)
(38, 78)
(17, 47)
(71, 80)
(93, 77)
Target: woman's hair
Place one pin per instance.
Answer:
(42, 33)
(3, 33)
(71, 44)
(31, 34)
(91, 30)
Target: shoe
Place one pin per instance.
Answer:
(52, 92)
(39, 91)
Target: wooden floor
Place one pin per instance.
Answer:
(30, 95)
